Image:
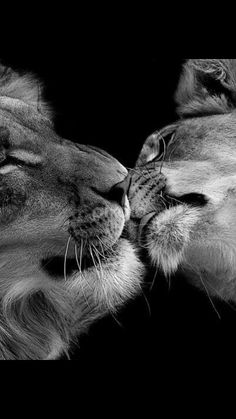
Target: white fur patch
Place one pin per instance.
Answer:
(26, 156)
(8, 169)
(115, 280)
(168, 234)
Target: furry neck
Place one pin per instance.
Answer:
(33, 310)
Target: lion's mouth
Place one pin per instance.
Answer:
(167, 203)
(193, 199)
(58, 267)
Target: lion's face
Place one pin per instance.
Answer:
(183, 191)
(63, 208)
(80, 189)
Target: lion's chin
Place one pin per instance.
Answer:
(111, 281)
(105, 287)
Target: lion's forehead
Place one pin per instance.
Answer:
(206, 138)
(36, 141)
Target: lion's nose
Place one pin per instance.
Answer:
(118, 192)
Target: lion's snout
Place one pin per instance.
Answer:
(117, 193)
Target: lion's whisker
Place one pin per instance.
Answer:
(154, 279)
(65, 257)
(95, 265)
(98, 258)
(197, 271)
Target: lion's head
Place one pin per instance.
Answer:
(183, 191)
(63, 206)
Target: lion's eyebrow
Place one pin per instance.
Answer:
(27, 156)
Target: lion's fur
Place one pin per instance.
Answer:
(55, 206)
(197, 238)
(24, 87)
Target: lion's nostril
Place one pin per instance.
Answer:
(118, 192)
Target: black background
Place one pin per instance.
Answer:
(113, 97)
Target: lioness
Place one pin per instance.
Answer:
(63, 260)
(182, 196)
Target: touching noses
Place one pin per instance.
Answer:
(118, 192)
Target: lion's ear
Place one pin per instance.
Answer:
(24, 87)
(207, 86)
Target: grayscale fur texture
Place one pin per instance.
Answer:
(183, 199)
(55, 206)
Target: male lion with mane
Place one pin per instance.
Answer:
(64, 261)
(183, 191)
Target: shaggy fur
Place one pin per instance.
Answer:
(24, 87)
(63, 263)
(183, 202)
